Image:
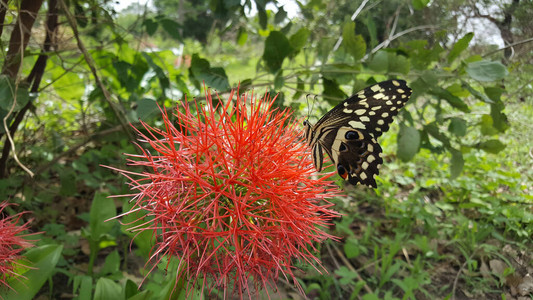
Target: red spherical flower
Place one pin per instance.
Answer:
(232, 193)
(12, 243)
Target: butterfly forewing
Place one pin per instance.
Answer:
(348, 132)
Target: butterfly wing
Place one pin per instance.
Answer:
(348, 132)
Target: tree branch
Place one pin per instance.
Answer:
(4, 5)
(18, 41)
(20, 36)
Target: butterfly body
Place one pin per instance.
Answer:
(348, 132)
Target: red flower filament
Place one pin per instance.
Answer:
(12, 243)
(233, 193)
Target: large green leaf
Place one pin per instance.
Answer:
(433, 130)
(491, 146)
(486, 70)
(201, 70)
(277, 48)
(43, 261)
(172, 28)
(408, 142)
(147, 108)
(398, 63)
(457, 126)
(151, 26)
(332, 92)
(299, 39)
(450, 98)
(102, 209)
(353, 43)
(456, 163)
(499, 119)
(477, 93)
(379, 62)
(107, 289)
(9, 91)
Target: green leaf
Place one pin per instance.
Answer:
(299, 39)
(299, 88)
(354, 44)
(263, 18)
(43, 261)
(160, 74)
(280, 15)
(242, 36)
(86, 288)
(279, 81)
(379, 62)
(408, 142)
(352, 248)
(499, 119)
(457, 126)
(434, 131)
(332, 92)
(325, 45)
(147, 108)
(277, 48)
(460, 46)
(477, 93)
(181, 85)
(347, 276)
(172, 28)
(9, 91)
(398, 63)
(245, 84)
(213, 77)
(456, 164)
(491, 146)
(487, 125)
(486, 70)
(150, 25)
(130, 289)
(102, 209)
(111, 264)
(107, 289)
(370, 25)
(420, 4)
(454, 101)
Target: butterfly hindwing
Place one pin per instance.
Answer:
(348, 132)
(357, 156)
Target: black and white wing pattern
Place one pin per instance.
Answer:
(348, 133)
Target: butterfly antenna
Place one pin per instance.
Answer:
(312, 107)
(307, 101)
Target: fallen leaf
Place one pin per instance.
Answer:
(497, 266)
(484, 270)
(526, 287)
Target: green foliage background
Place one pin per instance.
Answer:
(454, 195)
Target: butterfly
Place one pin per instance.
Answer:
(348, 132)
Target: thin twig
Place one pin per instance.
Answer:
(508, 46)
(386, 42)
(454, 287)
